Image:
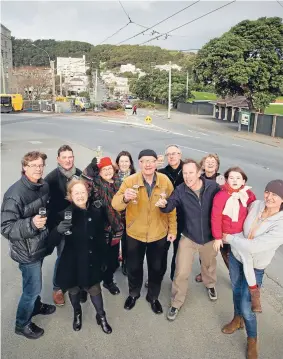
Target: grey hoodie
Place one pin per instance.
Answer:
(268, 237)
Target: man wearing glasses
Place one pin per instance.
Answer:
(25, 229)
(148, 229)
(174, 172)
(58, 180)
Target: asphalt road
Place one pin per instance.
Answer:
(139, 333)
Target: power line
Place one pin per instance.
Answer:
(160, 22)
(279, 3)
(128, 16)
(189, 22)
(115, 33)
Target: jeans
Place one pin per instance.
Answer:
(32, 284)
(241, 294)
(60, 248)
(155, 252)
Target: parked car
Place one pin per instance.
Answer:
(128, 106)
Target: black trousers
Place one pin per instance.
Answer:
(124, 248)
(173, 262)
(155, 252)
(112, 263)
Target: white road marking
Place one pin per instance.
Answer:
(194, 149)
(234, 144)
(98, 129)
(202, 133)
(34, 142)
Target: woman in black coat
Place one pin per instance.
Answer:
(82, 261)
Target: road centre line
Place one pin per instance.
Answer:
(194, 149)
(202, 133)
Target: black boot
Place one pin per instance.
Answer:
(102, 321)
(75, 301)
(97, 301)
(30, 331)
(77, 323)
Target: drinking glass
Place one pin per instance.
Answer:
(162, 194)
(68, 217)
(136, 189)
(42, 212)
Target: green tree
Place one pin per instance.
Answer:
(245, 61)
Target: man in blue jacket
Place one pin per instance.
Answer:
(195, 197)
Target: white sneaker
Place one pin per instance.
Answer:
(212, 294)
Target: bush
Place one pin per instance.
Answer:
(144, 104)
(111, 105)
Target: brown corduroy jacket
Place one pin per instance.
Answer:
(144, 221)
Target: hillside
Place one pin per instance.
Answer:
(24, 53)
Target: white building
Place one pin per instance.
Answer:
(75, 84)
(128, 68)
(167, 67)
(6, 60)
(71, 66)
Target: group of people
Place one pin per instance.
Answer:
(109, 212)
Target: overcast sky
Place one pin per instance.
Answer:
(94, 21)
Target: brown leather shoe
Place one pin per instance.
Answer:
(198, 278)
(236, 323)
(255, 299)
(58, 298)
(252, 352)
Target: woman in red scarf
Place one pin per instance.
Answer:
(230, 209)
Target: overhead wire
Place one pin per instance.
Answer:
(187, 23)
(279, 3)
(160, 22)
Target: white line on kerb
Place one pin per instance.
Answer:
(194, 149)
(202, 133)
(98, 129)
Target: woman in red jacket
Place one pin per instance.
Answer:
(229, 211)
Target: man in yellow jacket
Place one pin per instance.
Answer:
(148, 229)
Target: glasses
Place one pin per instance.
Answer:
(36, 166)
(172, 154)
(151, 162)
(107, 170)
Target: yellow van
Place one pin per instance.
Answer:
(17, 102)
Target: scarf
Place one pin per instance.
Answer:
(123, 175)
(232, 206)
(107, 191)
(67, 173)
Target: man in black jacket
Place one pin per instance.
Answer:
(195, 196)
(174, 172)
(58, 180)
(25, 229)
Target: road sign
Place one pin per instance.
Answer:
(148, 120)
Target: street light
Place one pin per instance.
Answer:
(52, 70)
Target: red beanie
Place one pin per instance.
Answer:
(104, 162)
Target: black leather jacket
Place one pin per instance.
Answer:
(20, 204)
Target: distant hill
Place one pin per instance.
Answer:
(24, 53)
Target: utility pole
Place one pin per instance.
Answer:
(169, 90)
(3, 75)
(61, 92)
(96, 73)
(187, 86)
(53, 79)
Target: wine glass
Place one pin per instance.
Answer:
(42, 212)
(68, 217)
(162, 194)
(136, 189)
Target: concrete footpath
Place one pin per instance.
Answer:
(138, 334)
